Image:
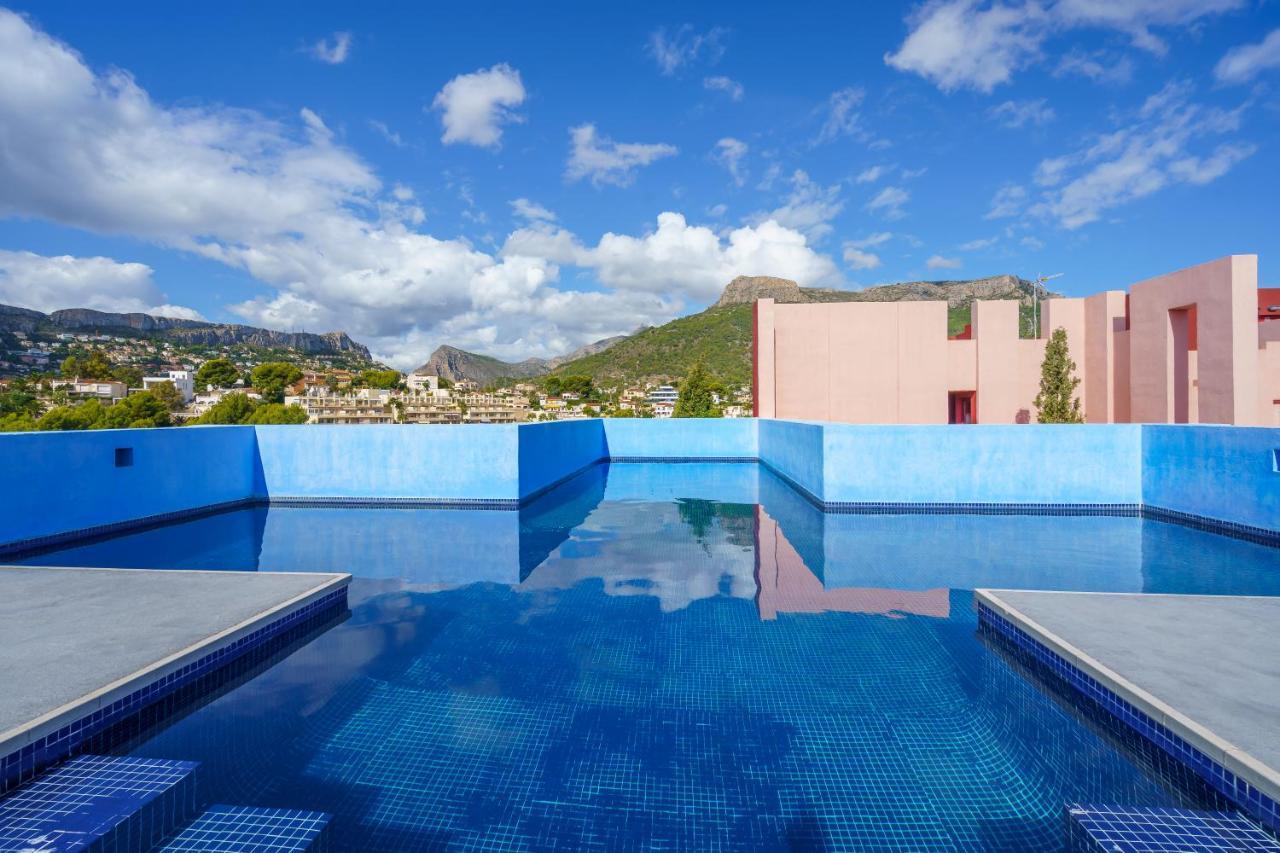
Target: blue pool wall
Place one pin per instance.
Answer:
(54, 483)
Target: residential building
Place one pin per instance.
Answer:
(417, 382)
(365, 406)
(1194, 346)
(183, 380)
(90, 389)
(663, 394)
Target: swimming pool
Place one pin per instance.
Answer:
(672, 656)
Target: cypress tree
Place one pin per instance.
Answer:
(1057, 403)
(695, 395)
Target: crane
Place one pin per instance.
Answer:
(1037, 286)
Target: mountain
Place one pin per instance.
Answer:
(721, 335)
(456, 364)
(179, 331)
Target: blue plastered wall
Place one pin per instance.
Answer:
(1219, 472)
(550, 452)
(794, 449)
(681, 438)
(53, 482)
(481, 461)
(1060, 464)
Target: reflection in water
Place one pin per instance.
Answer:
(677, 656)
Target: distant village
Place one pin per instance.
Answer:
(47, 384)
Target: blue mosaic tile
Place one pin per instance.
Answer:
(1235, 790)
(23, 765)
(240, 829)
(1129, 829)
(101, 804)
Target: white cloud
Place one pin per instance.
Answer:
(1097, 66)
(333, 50)
(1008, 201)
(842, 117)
(879, 238)
(281, 200)
(386, 133)
(729, 153)
(977, 45)
(871, 175)
(475, 106)
(1246, 61)
(889, 201)
(1016, 114)
(975, 245)
(956, 44)
(937, 262)
(860, 259)
(673, 50)
(808, 208)
(607, 162)
(679, 258)
(1158, 146)
(1032, 243)
(730, 87)
(47, 284)
(531, 211)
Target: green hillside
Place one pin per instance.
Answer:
(720, 337)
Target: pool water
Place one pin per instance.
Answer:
(672, 657)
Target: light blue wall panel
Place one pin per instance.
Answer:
(1227, 473)
(380, 461)
(551, 451)
(723, 438)
(794, 449)
(53, 482)
(983, 464)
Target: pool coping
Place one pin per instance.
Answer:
(1252, 785)
(57, 732)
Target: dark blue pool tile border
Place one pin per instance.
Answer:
(506, 504)
(1108, 828)
(1245, 796)
(1247, 532)
(22, 765)
(680, 460)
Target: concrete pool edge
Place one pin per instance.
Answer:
(1250, 784)
(27, 748)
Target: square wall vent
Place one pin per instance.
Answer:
(124, 457)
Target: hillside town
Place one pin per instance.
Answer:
(99, 380)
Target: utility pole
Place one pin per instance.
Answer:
(1037, 286)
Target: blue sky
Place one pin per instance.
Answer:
(519, 179)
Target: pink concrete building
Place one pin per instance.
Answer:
(1201, 345)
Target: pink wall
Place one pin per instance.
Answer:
(867, 362)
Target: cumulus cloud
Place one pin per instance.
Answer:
(889, 202)
(937, 262)
(871, 174)
(673, 50)
(729, 152)
(728, 86)
(808, 208)
(474, 107)
(1016, 114)
(333, 50)
(841, 115)
(860, 259)
(978, 45)
(282, 200)
(103, 284)
(1170, 139)
(1246, 61)
(607, 162)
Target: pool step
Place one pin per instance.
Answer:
(1120, 829)
(99, 803)
(239, 829)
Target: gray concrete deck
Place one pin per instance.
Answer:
(72, 640)
(1207, 666)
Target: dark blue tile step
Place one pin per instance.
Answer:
(1134, 829)
(99, 804)
(240, 829)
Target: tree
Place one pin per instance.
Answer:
(168, 394)
(143, 409)
(272, 377)
(277, 413)
(18, 403)
(87, 415)
(695, 399)
(218, 372)
(580, 385)
(1057, 402)
(130, 376)
(93, 365)
(231, 409)
(384, 379)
